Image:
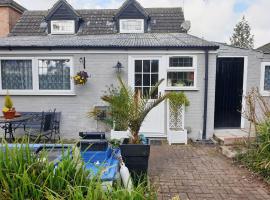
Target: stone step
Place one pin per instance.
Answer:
(230, 137)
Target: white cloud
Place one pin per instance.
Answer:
(212, 19)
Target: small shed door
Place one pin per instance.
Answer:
(229, 91)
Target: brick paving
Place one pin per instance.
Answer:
(200, 172)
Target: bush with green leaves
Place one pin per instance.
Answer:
(24, 175)
(257, 158)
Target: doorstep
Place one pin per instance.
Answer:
(231, 136)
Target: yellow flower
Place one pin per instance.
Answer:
(5, 109)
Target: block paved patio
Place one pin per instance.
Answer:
(201, 172)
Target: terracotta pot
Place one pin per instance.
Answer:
(9, 114)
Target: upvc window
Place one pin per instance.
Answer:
(54, 74)
(181, 72)
(146, 76)
(16, 74)
(63, 27)
(265, 78)
(131, 25)
(36, 76)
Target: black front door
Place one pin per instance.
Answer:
(229, 90)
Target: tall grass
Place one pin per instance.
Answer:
(257, 158)
(24, 175)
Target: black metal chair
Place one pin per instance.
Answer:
(46, 128)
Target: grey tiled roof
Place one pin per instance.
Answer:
(265, 48)
(100, 21)
(12, 4)
(141, 40)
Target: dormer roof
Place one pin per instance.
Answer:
(129, 5)
(60, 7)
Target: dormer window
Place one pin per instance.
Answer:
(62, 27)
(131, 25)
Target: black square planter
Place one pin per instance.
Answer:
(136, 157)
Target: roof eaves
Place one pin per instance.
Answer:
(14, 5)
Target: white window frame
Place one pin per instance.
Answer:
(182, 69)
(131, 69)
(121, 21)
(54, 32)
(262, 91)
(35, 76)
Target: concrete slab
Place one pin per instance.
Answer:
(231, 136)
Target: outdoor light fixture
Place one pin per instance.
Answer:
(82, 60)
(118, 67)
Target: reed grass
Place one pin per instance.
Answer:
(25, 175)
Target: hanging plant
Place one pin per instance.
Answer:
(81, 78)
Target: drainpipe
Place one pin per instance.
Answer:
(205, 94)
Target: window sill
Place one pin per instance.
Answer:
(181, 89)
(265, 93)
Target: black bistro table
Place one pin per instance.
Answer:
(10, 125)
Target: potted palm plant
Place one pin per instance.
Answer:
(133, 110)
(129, 109)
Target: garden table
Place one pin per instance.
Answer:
(10, 125)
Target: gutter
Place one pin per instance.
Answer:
(10, 48)
(205, 94)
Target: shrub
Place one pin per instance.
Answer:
(24, 175)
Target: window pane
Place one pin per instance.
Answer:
(63, 26)
(146, 80)
(267, 78)
(138, 80)
(146, 91)
(16, 74)
(180, 79)
(181, 62)
(132, 26)
(54, 74)
(154, 79)
(146, 66)
(155, 94)
(154, 66)
(138, 65)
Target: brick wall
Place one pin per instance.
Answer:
(8, 19)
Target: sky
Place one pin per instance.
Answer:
(212, 20)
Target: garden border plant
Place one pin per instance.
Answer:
(257, 157)
(23, 175)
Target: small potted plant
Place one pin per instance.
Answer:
(8, 110)
(81, 78)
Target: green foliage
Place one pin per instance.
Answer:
(24, 175)
(131, 108)
(8, 102)
(178, 99)
(118, 101)
(258, 156)
(242, 35)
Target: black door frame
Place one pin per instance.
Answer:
(245, 72)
